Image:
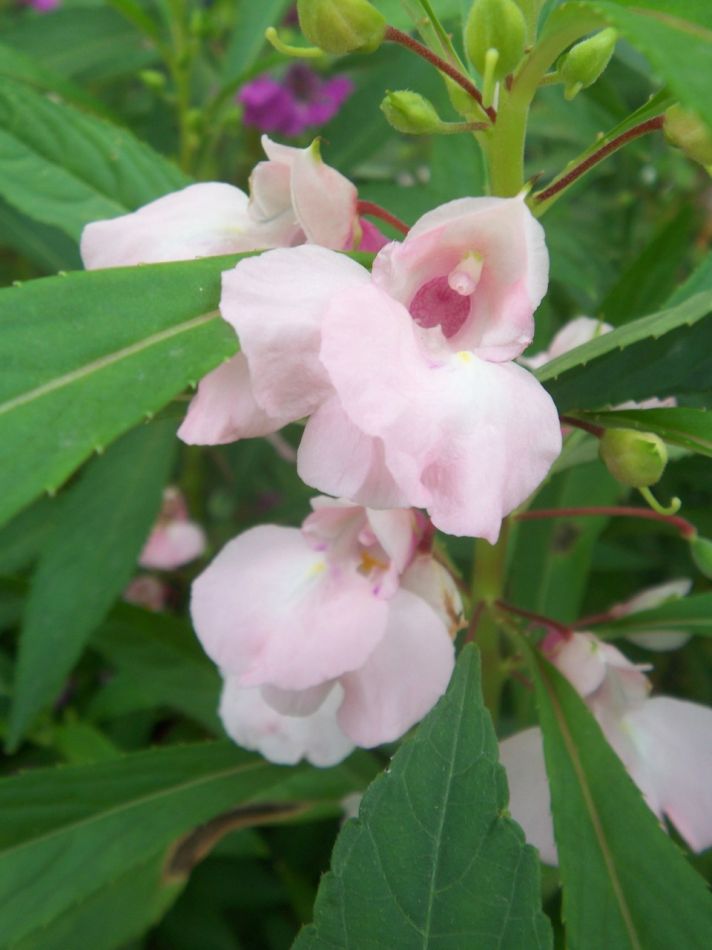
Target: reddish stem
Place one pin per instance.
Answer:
(684, 527)
(397, 36)
(580, 424)
(545, 622)
(474, 622)
(593, 619)
(651, 125)
(376, 211)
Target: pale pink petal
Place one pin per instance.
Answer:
(465, 438)
(522, 756)
(402, 679)
(673, 742)
(271, 203)
(297, 702)
(269, 610)
(395, 530)
(324, 200)
(436, 585)
(337, 457)
(493, 250)
(276, 302)
(255, 725)
(372, 240)
(648, 600)
(173, 544)
(582, 662)
(224, 408)
(200, 221)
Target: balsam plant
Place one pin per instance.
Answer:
(362, 475)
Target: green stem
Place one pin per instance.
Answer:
(487, 588)
(180, 65)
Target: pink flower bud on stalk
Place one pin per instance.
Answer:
(341, 26)
(175, 540)
(663, 743)
(586, 61)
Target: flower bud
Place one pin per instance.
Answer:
(584, 63)
(701, 550)
(410, 112)
(498, 25)
(636, 459)
(685, 131)
(341, 26)
(462, 102)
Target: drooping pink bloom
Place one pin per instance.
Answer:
(412, 395)
(175, 539)
(295, 198)
(669, 639)
(664, 744)
(323, 625)
(300, 100)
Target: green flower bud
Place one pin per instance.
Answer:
(498, 25)
(633, 458)
(685, 131)
(411, 113)
(153, 79)
(701, 551)
(342, 26)
(584, 63)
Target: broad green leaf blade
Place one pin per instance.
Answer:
(88, 355)
(89, 559)
(47, 247)
(17, 65)
(64, 168)
(691, 614)
(675, 38)
(689, 428)
(87, 43)
(69, 832)
(667, 353)
(115, 913)
(159, 658)
(620, 872)
(432, 861)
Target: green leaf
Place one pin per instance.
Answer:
(432, 860)
(93, 354)
(621, 874)
(653, 274)
(675, 38)
(667, 353)
(248, 36)
(23, 538)
(159, 658)
(691, 614)
(700, 280)
(689, 428)
(68, 833)
(101, 526)
(64, 168)
(47, 247)
(83, 43)
(553, 556)
(112, 915)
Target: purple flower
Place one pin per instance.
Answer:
(299, 100)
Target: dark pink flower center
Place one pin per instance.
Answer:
(436, 304)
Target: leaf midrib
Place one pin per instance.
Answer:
(128, 805)
(590, 806)
(103, 362)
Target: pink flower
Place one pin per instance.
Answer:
(412, 399)
(298, 101)
(648, 600)
(663, 743)
(295, 198)
(43, 6)
(322, 624)
(174, 540)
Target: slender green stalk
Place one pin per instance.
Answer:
(487, 588)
